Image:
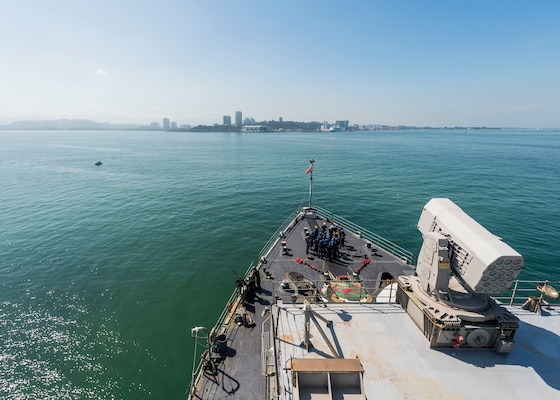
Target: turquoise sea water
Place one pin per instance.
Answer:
(104, 270)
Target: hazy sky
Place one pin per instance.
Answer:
(421, 62)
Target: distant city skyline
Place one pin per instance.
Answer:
(266, 125)
(249, 125)
(435, 63)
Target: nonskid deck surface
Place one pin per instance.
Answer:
(397, 359)
(398, 362)
(396, 356)
(240, 374)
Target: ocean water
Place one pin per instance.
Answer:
(104, 270)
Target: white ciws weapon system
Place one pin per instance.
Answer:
(460, 265)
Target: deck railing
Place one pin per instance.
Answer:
(357, 291)
(287, 224)
(521, 290)
(516, 295)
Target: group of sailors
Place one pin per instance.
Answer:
(325, 242)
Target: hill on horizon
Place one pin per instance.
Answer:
(66, 124)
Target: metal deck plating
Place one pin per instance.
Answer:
(302, 341)
(396, 357)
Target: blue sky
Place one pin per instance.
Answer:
(438, 63)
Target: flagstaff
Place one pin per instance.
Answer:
(310, 172)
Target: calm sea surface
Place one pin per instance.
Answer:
(104, 270)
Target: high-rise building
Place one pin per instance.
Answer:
(280, 119)
(174, 125)
(166, 124)
(227, 119)
(342, 124)
(238, 118)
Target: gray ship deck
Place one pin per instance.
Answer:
(240, 374)
(396, 357)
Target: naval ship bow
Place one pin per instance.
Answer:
(333, 311)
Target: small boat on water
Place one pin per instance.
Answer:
(98, 163)
(334, 311)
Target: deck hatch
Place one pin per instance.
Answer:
(327, 379)
(326, 365)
